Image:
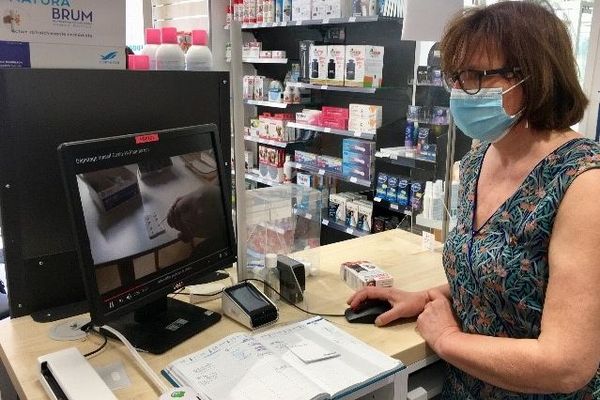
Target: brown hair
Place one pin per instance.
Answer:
(531, 38)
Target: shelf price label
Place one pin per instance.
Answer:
(350, 231)
(326, 21)
(394, 207)
(358, 134)
(321, 172)
(352, 19)
(353, 179)
(377, 199)
(298, 23)
(325, 222)
(324, 87)
(327, 130)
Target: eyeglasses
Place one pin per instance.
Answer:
(469, 80)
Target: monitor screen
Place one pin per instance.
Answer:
(150, 214)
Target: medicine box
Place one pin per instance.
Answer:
(301, 10)
(364, 66)
(318, 64)
(111, 188)
(305, 158)
(358, 274)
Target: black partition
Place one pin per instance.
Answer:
(39, 109)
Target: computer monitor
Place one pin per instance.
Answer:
(150, 213)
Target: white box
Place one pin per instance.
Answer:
(49, 55)
(364, 66)
(248, 87)
(325, 9)
(318, 64)
(301, 10)
(81, 22)
(336, 64)
(358, 274)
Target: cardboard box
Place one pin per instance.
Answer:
(301, 10)
(358, 274)
(318, 65)
(336, 64)
(364, 66)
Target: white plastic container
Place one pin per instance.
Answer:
(153, 41)
(199, 56)
(169, 56)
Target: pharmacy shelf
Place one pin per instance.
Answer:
(333, 131)
(303, 85)
(252, 60)
(323, 172)
(260, 179)
(411, 83)
(263, 103)
(304, 214)
(343, 228)
(411, 162)
(268, 142)
(391, 206)
(327, 21)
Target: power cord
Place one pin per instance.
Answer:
(290, 302)
(87, 328)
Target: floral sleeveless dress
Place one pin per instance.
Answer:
(498, 275)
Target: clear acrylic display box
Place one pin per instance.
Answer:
(281, 220)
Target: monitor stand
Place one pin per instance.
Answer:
(163, 324)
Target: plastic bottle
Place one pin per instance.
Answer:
(288, 95)
(152, 43)
(272, 276)
(428, 200)
(331, 69)
(169, 55)
(199, 57)
(288, 171)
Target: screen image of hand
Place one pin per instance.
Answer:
(195, 214)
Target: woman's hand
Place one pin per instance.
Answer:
(404, 304)
(437, 321)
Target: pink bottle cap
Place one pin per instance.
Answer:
(138, 62)
(152, 36)
(199, 37)
(169, 35)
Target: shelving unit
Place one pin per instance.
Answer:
(303, 85)
(265, 60)
(343, 228)
(268, 142)
(323, 172)
(259, 179)
(354, 134)
(263, 103)
(318, 22)
(394, 97)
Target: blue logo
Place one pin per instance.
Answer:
(109, 56)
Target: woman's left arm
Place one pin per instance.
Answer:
(566, 355)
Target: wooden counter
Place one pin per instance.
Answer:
(22, 340)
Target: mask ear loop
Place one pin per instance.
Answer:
(522, 109)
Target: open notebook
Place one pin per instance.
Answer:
(307, 360)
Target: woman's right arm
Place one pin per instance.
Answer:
(404, 304)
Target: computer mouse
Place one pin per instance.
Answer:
(180, 393)
(367, 311)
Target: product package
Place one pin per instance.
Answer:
(365, 216)
(417, 190)
(359, 274)
(392, 190)
(305, 60)
(336, 64)
(318, 64)
(301, 10)
(403, 192)
(302, 157)
(364, 66)
(381, 188)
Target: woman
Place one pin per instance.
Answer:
(520, 317)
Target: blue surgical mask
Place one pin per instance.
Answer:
(481, 116)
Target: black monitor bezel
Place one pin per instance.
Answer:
(67, 154)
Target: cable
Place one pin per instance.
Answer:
(149, 372)
(290, 303)
(103, 345)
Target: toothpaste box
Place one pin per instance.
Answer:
(358, 274)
